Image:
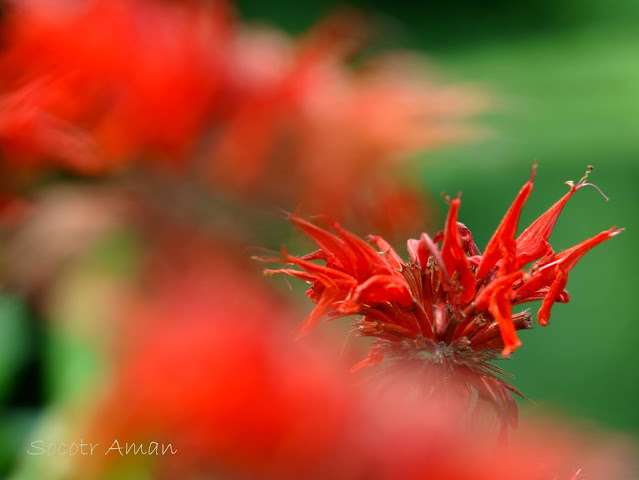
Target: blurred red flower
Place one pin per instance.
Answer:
(256, 114)
(309, 128)
(141, 79)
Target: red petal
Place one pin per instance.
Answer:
(540, 295)
(483, 299)
(497, 298)
(501, 309)
(454, 255)
(548, 269)
(533, 242)
(502, 244)
(305, 276)
(566, 260)
(420, 250)
(555, 290)
(571, 256)
(381, 289)
(368, 260)
(316, 255)
(392, 259)
(326, 275)
(334, 247)
(375, 357)
(316, 315)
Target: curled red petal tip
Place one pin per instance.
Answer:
(502, 245)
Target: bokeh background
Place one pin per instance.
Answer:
(565, 80)
(563, 83)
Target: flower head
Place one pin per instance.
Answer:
(448, 305)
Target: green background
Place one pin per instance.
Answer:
(564, 76)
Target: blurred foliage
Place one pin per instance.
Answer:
(81, 330)
(15, 352)
(565, 82)
(68, 348)
(14, 341)
(455, 24)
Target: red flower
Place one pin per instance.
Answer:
(142, 79)
(290, 97)
(244, 108)
(448, 305)
(354, 275)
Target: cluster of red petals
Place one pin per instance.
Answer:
(446, 293)
(185, 82)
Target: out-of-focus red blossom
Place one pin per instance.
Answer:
(201, 370)
(213, 370)
(449, 308)
(142, 79)
(257, 114)
(310, 128)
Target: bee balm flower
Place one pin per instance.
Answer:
(449, 305)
